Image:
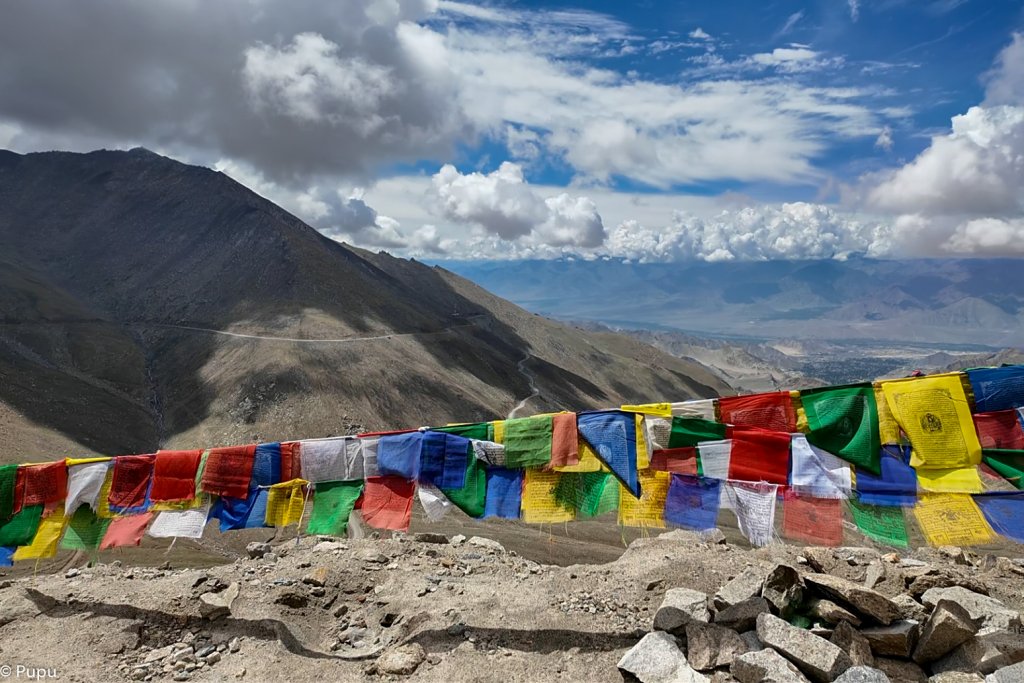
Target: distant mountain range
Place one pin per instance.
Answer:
(145, 303)
(943, 302)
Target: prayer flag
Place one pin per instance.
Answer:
(647, 511)
(266, 465)
(957, 480)
(179, 524)
(844, 421)
(678, 460)
(754, 505)
(809, 519)
(1010, 464)
(44, 484)
(816, 472)
(85, 481)
(772, 411)
(504, 493)
(387, 503)
(335, 459)
(435, 504)
(1001, 429)
(398, 455)
(703, 409)
(713, 459)
(564, 440)
(333, 502)
(689, 431)
(85, 530)
(174, 475)
(759, 455)
(612, 435)
(539, 504)
(471, 496)
(881, 523)
(129, 488)
(951, 519)
(528, 441)
(44, 544)
(897, 484)
(8, 485)
(228, 471)
(125, 531)
(888, 428)
(20, 529)
(656, 409)
(693, 502)
(286, 502)
(1004, 513)
(997, 388)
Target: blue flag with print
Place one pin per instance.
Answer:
(997, 388)
(896, 485)
(612, 435)
(504, 493)
(693, 502)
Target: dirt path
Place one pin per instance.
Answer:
(528, 376)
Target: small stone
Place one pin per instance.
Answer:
(489, 544)
(72, 573)
(744, 586)
(655, 585)
(714, 537)
(875, 574)
(910, 608)
(1008, 674)
(430, 537)
(899, 670)
(213, 658)
(831, 613)
(911, 562)
(856, 646)
(457, 539)
(765, 666)
(821, 560)
(864, 600)
(257, 550)
(742, 616)
(816, 657)
(953, 553)
(658, 659)
(949, 626)
(204, 651)
(895, 640)
(402, 660)
(783, 590)
(158, 654)
(217, 605)
(329, 546)
(679, 607)
(183, 676)
(709, 646)
(317, 577)
(863, 674)
(235, 644)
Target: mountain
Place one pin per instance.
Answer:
(944, 302)
(146, 303)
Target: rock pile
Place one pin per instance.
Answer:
(794, 625)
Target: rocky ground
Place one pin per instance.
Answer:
(427, 607)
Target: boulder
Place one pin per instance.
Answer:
(658, 659)
(783, 590)
(821, 560)
(831, 613)
(863, 674)
(984, 653)
(901, 670)
(765, 666)
(679, 607)
(819, 659)
(430, 537)
(1008, 674)
(932, 577)
(401, 660)
(742, 616)
(849, 640)
(744, 586)
(910, 608)
(489, 544)
(948, 626)
(895, 640)
(256, 549)
(986, 613)
(709, 646)
(751, 640)
(217, 605)
(875, 574)
(865, 601)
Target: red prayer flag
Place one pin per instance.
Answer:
(125, 531)
(678, 460)
(132, 475)
(773, 411)
(818, 521)
(228, 471)
(565, 448)
(759, 455)
(1000, 429)
(174, 475)
(291, 464)
(43, 484)
(387, 502)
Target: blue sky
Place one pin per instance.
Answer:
(501, 129)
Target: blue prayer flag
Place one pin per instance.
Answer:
(266, 466)
(504, 493)
(997, 388)
(612, 435)
(1004, 513)
(693, 502)
(895, 486)
(399, 455)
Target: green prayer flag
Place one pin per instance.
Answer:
(881, 523)
(21, 528)
(332, 504)
(479, 431)
(589, 493)
(690, 431)
(85, 530)
(1008, 463)
(844, 422)
(8, 477)
(472, 497)
(528, 442)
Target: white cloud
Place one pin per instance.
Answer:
(700, 34)
(791, 21)
(884, 139)
(854, 6)
(1005, 82)
(502, 203)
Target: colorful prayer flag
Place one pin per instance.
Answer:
(844, 421)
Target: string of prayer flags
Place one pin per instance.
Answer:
(504, 493)
(539, 504)
(333, 502)
(1009, 464)
(398, 455)
(809, 519)
(334, 459)
(754, 505)
(44, 484)
(129, 487)
(951, 519)
(999, 429)
(528, 441)
(816, 472)
(999, 388)
(693, 502)
(844, 421)
(174, 475)
(85, 530)
(935, 415)
(126, 531)
(773, 411)
(612, 435)
(703, 409)
(285, 503)
(759, 455)
(564, 440)
(1004, 513)
(677, 460)
(179, 524)
(896, 485)
(881, 523)
(647, 511)
(227, 471)
(690, 431)
(44, 543)
(387, 503)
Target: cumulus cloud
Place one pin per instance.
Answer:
(964, 194)
(700, 34)
(504, 204)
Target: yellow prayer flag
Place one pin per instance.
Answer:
(649, 509)
(588, 461)
(539, 504)
(888, 430)
(656, 409)
(643, 453)
(499, 431)
(179, 505)
(957, 480)
(103, 500)
(285, 503)
(44, 544)
(951, 519)
(71, 462)
(934, 413)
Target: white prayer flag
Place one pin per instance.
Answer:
(84, 484)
